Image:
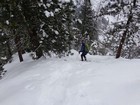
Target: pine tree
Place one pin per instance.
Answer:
(86, 26)
(127, 28)
(31, 16)
(9, 22)
(37, 26)
(122, 33)
(57, 36)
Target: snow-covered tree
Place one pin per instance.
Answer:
(56, 27)
(86, 25)
(122, 32)
(38, 26)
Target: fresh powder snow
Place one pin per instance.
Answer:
(102, 80)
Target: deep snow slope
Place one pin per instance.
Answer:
(102, 80)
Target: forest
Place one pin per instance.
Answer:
(42, 27)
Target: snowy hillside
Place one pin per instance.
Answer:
(102, 80)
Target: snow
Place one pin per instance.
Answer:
(48, 14)
(65, 0)
(56, 32)
(96, 4)
(79, 20)
(7, 22)
(102, 80)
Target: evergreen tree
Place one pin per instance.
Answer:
(57, 36)
(31, 16)
(86, 26)
(10, 21)
(121, 35)
(5, 52)
(69, 11)
(37, 26)
(129, 30)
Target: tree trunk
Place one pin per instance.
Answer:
(9, 50)
(125, 32)
(18, 45)
(124, 37)
(121, 44)
(35, 45)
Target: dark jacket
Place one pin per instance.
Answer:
(83, 49)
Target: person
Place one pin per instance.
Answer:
(84, 51)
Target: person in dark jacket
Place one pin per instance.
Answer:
(83, 50)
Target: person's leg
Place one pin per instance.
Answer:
(85, 57)
(82, 57)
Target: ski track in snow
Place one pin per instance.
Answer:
(68, 81)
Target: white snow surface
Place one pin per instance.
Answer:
(102, 80)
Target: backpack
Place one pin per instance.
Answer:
(87, 48)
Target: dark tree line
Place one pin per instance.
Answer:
(44, 26)
(35, 26)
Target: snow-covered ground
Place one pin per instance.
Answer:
(103, 80)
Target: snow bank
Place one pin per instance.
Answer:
(102, 80)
